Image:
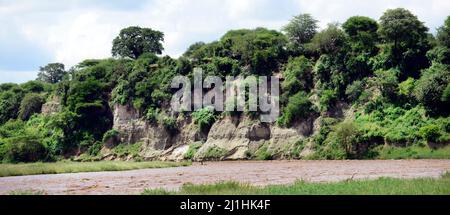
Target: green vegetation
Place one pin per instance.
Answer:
(193, 149)
(74, 167)
(214, 153)
(370, 82)
(382, 186)
(204, 118)
(415, 152)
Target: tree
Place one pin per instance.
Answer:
(329, 41)
(52, 73)
(431, 87)
(300, 30)
(259, 48)
(31, 104)
(362, 32)
(298, 76)
(134, 41)
(443, 34)
(298, 107)
(407, 42)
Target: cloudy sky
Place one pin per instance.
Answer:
(36, 32)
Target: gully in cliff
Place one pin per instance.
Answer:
(231, 96)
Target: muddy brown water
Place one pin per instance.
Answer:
(258, 173)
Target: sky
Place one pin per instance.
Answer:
(36, 32)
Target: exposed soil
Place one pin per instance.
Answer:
(256, 173)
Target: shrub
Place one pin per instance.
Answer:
(347, 135)
(263, 153)
(124, 150)
(297, 75)
(25, 149)
(111, 138)
(31, 104)
(193, 149)
(204, 118)
(354, 90)
(298, 107)
(431, 87)
(328, 99)
(169, 123)
(214, 153)
(434, 134)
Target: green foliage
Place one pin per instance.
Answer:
(363, 39)
(413, 152)
(31, 104)
(407, 42)
(434, 133)
(127, 150)
(395, 125)
(214, 153)
(443, 34)
(111, 136)
(10, 99)
(387, 82)
(342, 141)
(76, 167)
(431, 86)
(193, 149)
(36, 87)
(382, 186)
(169, 123)
(260, 48)
(355, 90)
(298, 107)
(328, 99)
(134, 41)
(300, 30)
(21, 143)
(439, 54)
(263, 153)
(406, 88)
(329, 41)
(52, 73)
(204, 118)
(298, 76)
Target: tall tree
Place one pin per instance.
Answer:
(407, 41)
(300, 30)
(363, 37)
(52, 73)
(362, 32)
(134, 41)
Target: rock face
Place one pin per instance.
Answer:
(237, 137)
(157, 140)
(52, 106)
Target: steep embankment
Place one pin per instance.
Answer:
(230, 138)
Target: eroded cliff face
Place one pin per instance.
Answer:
(235, 137)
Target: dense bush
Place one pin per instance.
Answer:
(31, 104)
(431, 86)
(297, 76)
(298, 107)
(204, 118)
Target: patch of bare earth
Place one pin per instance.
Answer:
(253, 172)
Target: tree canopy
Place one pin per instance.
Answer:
(134, 41)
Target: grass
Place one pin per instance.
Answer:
(412, 152)
(74, 167)
(382, 186)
